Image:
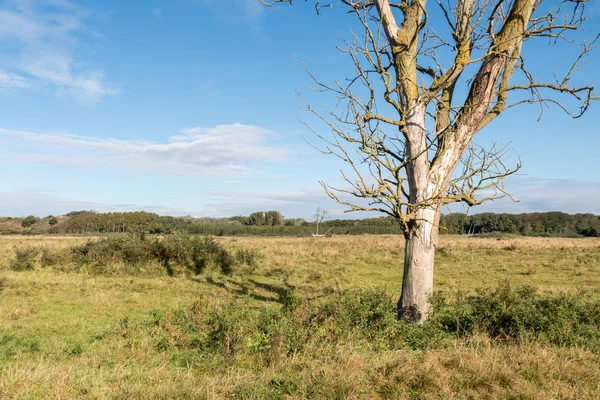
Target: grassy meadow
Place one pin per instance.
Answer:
(310, 318)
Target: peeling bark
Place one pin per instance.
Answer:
(419, 253)
(421, 236)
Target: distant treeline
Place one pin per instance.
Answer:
(272, 223)
(259, 223)
(531, 224)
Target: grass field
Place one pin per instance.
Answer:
(67, 334)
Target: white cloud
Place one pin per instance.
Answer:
(296, 202)
(22, 202)
(300, 202)
(535, 194)
(43, 35)
(222, 150)
(567, 195)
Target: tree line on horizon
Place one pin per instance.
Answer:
(273, 223)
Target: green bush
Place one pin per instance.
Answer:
(127, 249)
(25, 259)
(51, 258)
(245, 256)
(369, 319)
(193, 253)
(173, 252)
(28, 221)
(518, 314)
(225, 261)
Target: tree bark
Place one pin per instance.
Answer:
(422, 233)
(419, 253)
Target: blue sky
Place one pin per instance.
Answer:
(189, 107)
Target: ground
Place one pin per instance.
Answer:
(67, 334)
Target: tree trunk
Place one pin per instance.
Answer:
(421, 235)
(419, 253)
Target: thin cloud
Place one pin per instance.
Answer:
(221, 150)
(535, 194)
(22, 202)
(10, 80)
(45, 34)
(297, 202)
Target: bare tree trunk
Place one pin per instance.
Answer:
(419, 253)
(421, 237)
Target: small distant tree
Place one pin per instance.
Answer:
(52, 220)
(28, 221)
(319, 216)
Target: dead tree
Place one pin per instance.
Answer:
(407, 133)
(319, 217)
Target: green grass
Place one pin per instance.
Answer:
(262, 332)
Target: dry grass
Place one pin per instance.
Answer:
(552, 264)
(69, 335)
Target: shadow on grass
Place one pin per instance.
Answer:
(210, 280)
(2, 284)
(250, 288)
(279, 290)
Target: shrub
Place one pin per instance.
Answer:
(25, 259)
(518, 314)
(51, 258)
(369, 319)
(130, 254)
(193, 253)
(28, 221)
(126, 249)
(245, 256)
(225, 261)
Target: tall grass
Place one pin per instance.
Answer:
(311, 319)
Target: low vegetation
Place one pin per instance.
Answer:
(134, 254)
(295, 318)
(272, 223)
